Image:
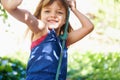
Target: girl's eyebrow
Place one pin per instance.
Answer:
(47, 7)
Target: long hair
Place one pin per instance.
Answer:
(44, 3)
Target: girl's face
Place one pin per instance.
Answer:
(54, 15)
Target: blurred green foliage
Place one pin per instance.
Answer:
(94, 66)
(3, 13)
(88, 66)
(12, 69)
(107, 14)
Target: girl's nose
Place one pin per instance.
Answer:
(53, 14)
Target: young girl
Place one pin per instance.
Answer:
(47, 24)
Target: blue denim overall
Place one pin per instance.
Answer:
(44, 58)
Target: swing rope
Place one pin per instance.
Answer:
(63, 37)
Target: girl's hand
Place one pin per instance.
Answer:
(72, 4)
(11, 4)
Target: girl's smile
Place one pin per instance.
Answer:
(52, 21)
(53, 15)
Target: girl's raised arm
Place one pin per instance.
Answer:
(86, 28)
(11, 6)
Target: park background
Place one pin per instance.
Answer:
(95, 57)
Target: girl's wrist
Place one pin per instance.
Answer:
(73, 9)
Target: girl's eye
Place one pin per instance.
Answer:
(47, 11)
(59, 12)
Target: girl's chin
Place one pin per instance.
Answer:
(53, 26)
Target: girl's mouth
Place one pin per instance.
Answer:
(52, 21)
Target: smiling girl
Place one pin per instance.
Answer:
(47, 24)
